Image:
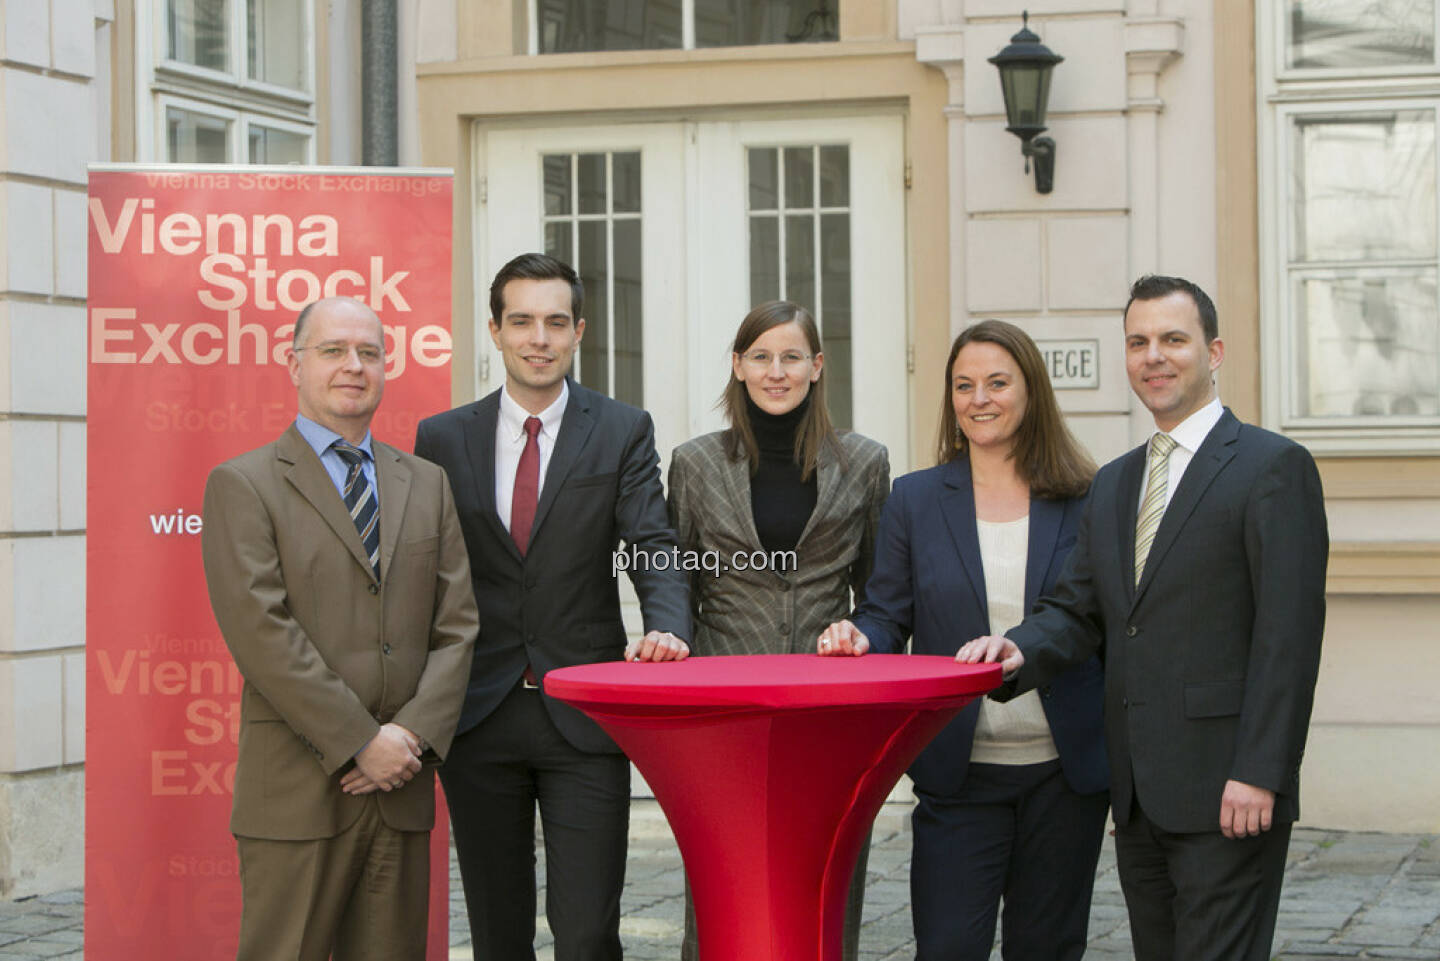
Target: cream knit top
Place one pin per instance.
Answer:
(1016, 732)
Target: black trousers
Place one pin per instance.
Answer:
(494, 777)
(1200, 897)
(1017, 832)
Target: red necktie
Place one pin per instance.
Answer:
(527, 487)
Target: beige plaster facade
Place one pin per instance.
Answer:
(1155, 116)
(1160, 112)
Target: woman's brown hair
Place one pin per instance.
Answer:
(1047, 456)
(815, 432)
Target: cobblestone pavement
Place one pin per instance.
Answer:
(1347, 895)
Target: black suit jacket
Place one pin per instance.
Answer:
(1210, 663)
(928, 583)
(560, 604)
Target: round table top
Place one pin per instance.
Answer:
(773, 681)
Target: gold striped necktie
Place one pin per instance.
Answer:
(1157, 478)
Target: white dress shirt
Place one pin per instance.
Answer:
(1188, 435)
(510, 443)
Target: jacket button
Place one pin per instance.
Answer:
(373, 588)
(386, 648)
(784, 628)
(1131, 631)
(1124, 702)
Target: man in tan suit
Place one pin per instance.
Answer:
(338, 575)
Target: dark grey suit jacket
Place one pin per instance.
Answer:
(559, 605)
(1210, 663)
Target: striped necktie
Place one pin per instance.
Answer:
(360, 500)
(1157, 478)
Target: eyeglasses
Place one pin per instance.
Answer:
(760, 360)
(370, 355)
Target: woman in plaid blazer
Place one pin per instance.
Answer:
(783, 506)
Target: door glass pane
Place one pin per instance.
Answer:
(592, 220)
(271, 146)
(192, 137)
(558, 239)
(727, 23)
(594, 270)
(196, 34)
(629, 348)
(591, 171)
(626, 182)
(799, 177)
(1360, 33)
(1364, 186)
(835, 281)
(764, 194)
(800, 251)
(834, 176)
(275, 42)
(800, 259)
(764, 259)
(570, 26)
(1370, 343)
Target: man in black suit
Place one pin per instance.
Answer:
(1199, 575)
(548, 477)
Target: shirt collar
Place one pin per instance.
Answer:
(1191, 432)
(320, 438)
(512, 415)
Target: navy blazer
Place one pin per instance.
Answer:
(928, 583)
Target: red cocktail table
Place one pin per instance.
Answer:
(770, 769)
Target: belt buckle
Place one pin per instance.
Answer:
(528, 682)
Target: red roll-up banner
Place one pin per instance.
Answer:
(196, 275)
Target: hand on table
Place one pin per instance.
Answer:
(657, 646)
(1245, 810)
(388, 762)
(841, 639)
(992, 648)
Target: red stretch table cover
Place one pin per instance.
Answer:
(770, 769)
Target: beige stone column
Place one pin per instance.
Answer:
(1151, 45)
(943, 47)
(50, 130)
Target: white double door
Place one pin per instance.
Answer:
(679, 228)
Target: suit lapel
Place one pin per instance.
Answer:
(575, 429)
(827, 472)
(1045, 518)
(1215, 452)
(735, 482)
(480, 446)
(957, 505)
(394, 481)
(1131, 473)
(307, 475)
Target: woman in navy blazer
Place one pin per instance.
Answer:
(1017, 811)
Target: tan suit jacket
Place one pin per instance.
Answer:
(327, 653)
(748, 611)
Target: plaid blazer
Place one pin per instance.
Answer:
(758, 609)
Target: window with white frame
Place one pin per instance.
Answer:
(571, 26)
(233, 80)
(1350, 252)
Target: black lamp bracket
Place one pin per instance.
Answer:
(1043, 150)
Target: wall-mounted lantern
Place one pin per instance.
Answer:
(1025, 67)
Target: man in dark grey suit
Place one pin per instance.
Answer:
(1199, 576)
(548, 478)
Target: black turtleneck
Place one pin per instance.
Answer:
(780, 500)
